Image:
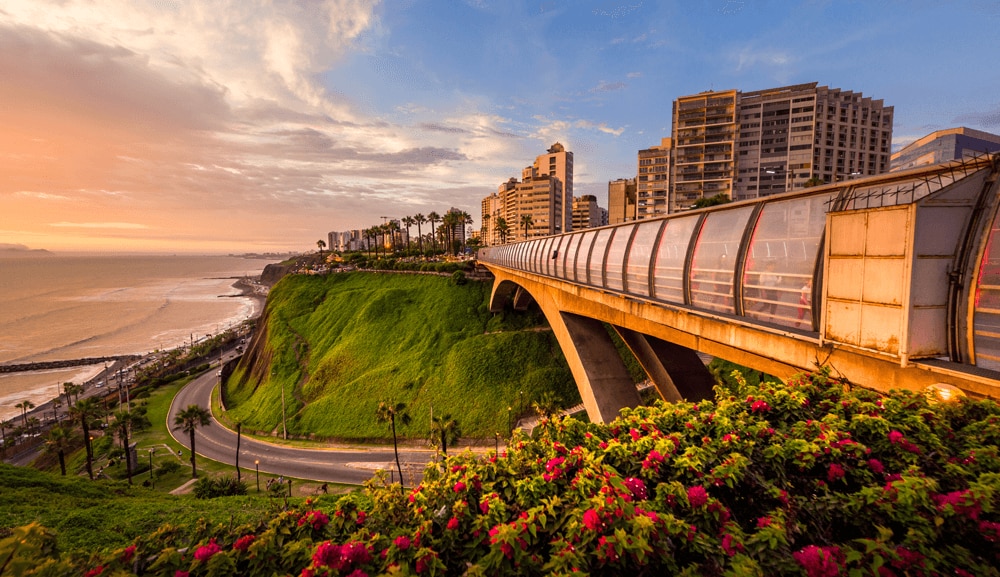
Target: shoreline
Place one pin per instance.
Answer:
(248, 287)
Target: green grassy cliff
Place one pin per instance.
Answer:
(339, 344)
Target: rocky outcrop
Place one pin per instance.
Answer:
(273, 273)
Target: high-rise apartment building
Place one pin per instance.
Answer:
(543, 198)
(944, 145)
(704, 139)
(791, 134)
(587, 214)
(621, 200)
(653, 180)
(751, 144)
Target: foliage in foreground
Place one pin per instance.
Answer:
(804, 479)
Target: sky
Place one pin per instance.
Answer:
(259, 126)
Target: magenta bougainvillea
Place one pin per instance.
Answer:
(804, 478)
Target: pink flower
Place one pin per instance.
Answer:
(459, 487)
(179, 573)
(895, 437)
(592, 520)
(402, 542)
(728, 545)
(835, 472)
(243, 543)
(423, 562)
(876, 466)
(452, 524)
(819, 561)
(361, 517)
(636, 487)
(127, 554)
(697, 496)
(763, 522)
(760, 407)
(990, 531)
(95, 571)
(317, 519)
(205, 552)
(634, 434)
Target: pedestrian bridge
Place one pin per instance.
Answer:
(893, 281)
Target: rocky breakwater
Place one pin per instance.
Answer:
(48, 365)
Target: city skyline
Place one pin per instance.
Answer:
(168, 126)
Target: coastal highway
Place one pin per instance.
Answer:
(334, 465)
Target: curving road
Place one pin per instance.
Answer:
(216, 442)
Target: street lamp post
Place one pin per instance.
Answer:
(256, 465)
(510, 430)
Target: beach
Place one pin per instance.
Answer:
(56, 308)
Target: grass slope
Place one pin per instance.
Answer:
(339, 344)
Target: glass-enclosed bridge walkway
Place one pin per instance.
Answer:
(893, 281)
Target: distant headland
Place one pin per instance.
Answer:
(15, 250)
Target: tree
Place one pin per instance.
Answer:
(500, 225)
(444, 432)
(389, 413)
(125, 422)
(464, 219)
(716, 200)
(814, 181)
(58, 441)
(25, 406)
(484, 232)
(527, 222)
(432, 218)
(420, 219)
(3, 436)
(408, 221)
(188, 421)
(86, 410)
(320, 244)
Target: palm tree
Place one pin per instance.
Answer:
(484, 232)
(125, 421)
(188, 421)
(420, 219)
(444, 432)
(58, 441)
(393, 229)
(502, 228)
(449, 220)
(87, 410)
(3, 437)
(321, 244)
(464, 219)
(408, 221)
(25, 406)
(432, 218)
(389, 413)
(526, 222)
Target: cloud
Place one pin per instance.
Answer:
(988, 119)
(100, 225)
(634, 75)
(603, 86)
(40, 195)
(749, 57)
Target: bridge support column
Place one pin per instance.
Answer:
(677, 372)
(604, 383)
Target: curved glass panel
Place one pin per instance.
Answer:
(535, 250)
(582, 254)
(522, 259)
(597, 257)
(781, 260)
(637, 269)
(542, 255)
(616, 257)
(714, 259)
(558, 270)
(986, 306)
(668, 272)
(574, 244)
(547, 256)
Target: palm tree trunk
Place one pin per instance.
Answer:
(90, 449)
(62, 462)
(194, 471)
(128, 455)
(395, 450)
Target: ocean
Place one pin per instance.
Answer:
(58, 307)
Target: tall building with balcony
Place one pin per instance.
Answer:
(621, 200)
(791, 134)
(544, 193)
(653, 180)
(587, 213)
(704, 139)
(944, 145)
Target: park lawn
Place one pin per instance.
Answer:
(340, 344)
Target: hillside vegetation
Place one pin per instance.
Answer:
(341, 343)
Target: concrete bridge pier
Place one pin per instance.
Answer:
(601, 377)
(677, 372)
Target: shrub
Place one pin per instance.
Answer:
(212, 487)
(458, 277)
(168, 467)
(807, 478)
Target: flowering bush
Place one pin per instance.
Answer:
(802, 479)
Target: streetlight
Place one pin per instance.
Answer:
(497, 450)
(256, 465)
(509, 429)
